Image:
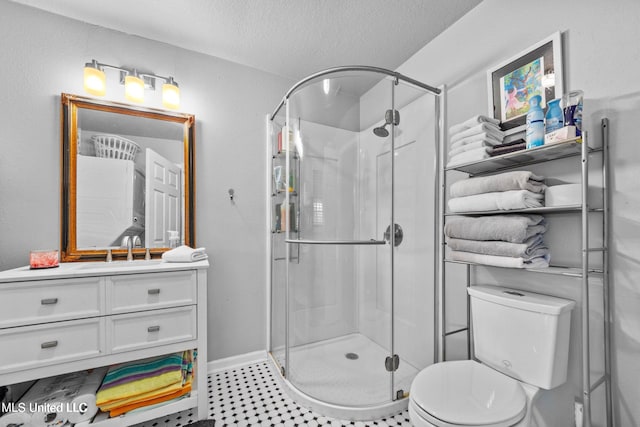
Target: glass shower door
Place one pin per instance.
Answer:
(329, 357)
(414, 188)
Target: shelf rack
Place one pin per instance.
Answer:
(569, 148)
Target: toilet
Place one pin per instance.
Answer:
(521, 342)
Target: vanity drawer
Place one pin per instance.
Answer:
(39, 345)
(138, 292)
(152, 328)
(28, 303)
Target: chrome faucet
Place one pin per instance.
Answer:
(131, 242)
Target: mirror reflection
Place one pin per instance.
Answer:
(131, 180)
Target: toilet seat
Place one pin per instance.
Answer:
(467, 393)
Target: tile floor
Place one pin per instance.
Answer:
(252, 396)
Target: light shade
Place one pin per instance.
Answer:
(134, 88)
(171, 95)
(95, 81)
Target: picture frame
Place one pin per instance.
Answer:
(535, 71)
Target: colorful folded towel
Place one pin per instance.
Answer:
(154, 401)
(150, 381)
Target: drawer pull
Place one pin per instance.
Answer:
(49, 301)
(153, 328)
(153, 291)
(49, 344)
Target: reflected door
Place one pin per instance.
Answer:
(163, 196)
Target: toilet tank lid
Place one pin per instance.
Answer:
(523, 300)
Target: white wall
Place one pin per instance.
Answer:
(601, 57)
(43, 55)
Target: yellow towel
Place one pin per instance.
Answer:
(138, 387)
(159, 399)
(171, 388)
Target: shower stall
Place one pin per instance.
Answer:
(352, 184)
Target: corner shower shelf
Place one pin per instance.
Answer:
(575, 147)
(567, 148)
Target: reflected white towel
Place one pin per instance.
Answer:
(499, 261)
(473, 121)
(514, 180)
(185, 254)
(489, 128)
(470, 156)
(497, 201)
(484, 136)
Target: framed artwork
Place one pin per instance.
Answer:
(535, 71)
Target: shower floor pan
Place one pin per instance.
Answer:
(345, 378)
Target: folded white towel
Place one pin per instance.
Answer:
(514, 180)
(473, 121)
(499, 261)
(497, 201)
(470, 156)
(508, 228)
(531, 248)
(484, 136)
(471, 146)
(489, 128)
(185, 254)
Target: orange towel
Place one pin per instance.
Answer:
(122, 409)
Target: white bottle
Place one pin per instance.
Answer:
(174, 238)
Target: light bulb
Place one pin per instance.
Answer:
(134, 88)
(171, 95)
(95, 81)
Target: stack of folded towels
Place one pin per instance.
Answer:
(505, 191)
(514, 241)
(473, 139)
(145, 383)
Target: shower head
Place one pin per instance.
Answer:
(390, 116)
(381, 131)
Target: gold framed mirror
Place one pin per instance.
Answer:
(128, 178)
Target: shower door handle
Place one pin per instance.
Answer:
(337, 242)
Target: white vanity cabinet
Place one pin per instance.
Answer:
(86, 315)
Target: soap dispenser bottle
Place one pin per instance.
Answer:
(535, 123)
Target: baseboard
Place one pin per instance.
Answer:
(235, 361)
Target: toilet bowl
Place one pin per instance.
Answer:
(468, 393)
(521, 343)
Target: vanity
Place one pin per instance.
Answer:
(92, 314)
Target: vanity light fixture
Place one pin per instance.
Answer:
(134, 87)
(171, 94)
(95, 83)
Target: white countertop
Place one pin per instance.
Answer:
(84, 269)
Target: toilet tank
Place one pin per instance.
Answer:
(522, 334)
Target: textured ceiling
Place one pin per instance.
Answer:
(290, 38)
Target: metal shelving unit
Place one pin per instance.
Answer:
(569, 148)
